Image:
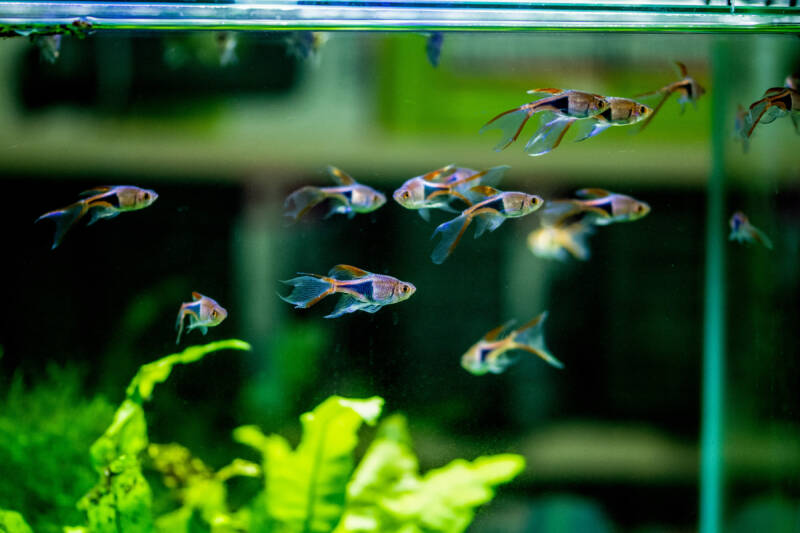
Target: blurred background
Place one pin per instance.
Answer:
(611, 440)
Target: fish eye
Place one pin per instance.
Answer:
(146, 196)
(405, 195)
(214, 313)
(642, 109)
(639, 208)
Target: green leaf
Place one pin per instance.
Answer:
(387, 495)
(12, 522)
(121, 501)
(305, 488)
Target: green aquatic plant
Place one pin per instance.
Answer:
(12, 522)
(45, 430)
(313, 488)
(121, 500)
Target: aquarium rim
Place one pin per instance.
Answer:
(22, 18)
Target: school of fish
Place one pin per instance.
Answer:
(471, 195)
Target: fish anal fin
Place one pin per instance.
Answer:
(592, 192)
(346, 304)
(339, 176)
(342, 272)
(487, 219)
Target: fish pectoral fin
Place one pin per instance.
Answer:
(592, 192)
(488, 220)
(425, 214)
(371, 308)
(203, 329)
(345, 272)
(340, 177)
(346, 304)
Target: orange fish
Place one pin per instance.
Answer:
(490, 354)
(687, 88)
(569, 104)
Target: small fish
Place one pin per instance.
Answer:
(490, 354)
(489, 215)
(305, 45)
(598, 207)
(777, 102)
(49, 46)
(438, 188)
(101, 202)
(554, 242)
(743, 231)
(349, 198)
(741, 126)
(433, 47)
(360, 290)
(687, 88)
(620, 112)
(203, 313)
(565, 104)
(227, 41)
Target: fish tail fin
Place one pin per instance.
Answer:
(65, 218)
(530, 337)
(510, 123)
(577, 241)
(649, 119)
(302, 201)
(308, 290)
(179, 324)
(452, 232)
(761, 237)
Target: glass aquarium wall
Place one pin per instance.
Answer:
(635, 233)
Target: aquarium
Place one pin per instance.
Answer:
(311, 267)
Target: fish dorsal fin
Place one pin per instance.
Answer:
(97, 190)
(772, 91)
(545, 90)
(485, 190)
(439, 173)
(682, 69)
(533, 323)
(197, 296)
(343, 272)
(340, 177)
(592, 193)
(496, 332)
